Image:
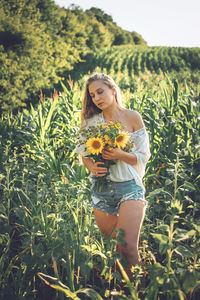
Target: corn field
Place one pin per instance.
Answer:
(141, 59)
(51, 247)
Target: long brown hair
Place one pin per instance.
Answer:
(89, 109)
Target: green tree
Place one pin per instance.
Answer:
(35, 58)
(98, 36)
(40, 43)
(100, 15)
(138, 39)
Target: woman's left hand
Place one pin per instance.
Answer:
(115, 153)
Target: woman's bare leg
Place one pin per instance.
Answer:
(105, 222)
(131, 216)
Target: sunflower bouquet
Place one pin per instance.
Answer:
(95, 138)
(110, 135)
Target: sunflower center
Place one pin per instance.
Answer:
(96, 144)
(119, 138)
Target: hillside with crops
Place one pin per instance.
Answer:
(154, 59)
(133, 61)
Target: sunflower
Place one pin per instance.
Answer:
(95, 145)
(121, 140)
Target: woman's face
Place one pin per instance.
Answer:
(102, 96)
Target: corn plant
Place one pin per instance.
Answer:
(48, 234)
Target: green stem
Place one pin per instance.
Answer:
(170, 251)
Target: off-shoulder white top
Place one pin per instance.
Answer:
(121, 171)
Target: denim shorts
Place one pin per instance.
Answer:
(114, 193)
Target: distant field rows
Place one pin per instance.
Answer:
(154, 59)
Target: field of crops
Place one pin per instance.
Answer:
(51, 247)
(125, 62)
(153, 59)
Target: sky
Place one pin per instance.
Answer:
(160, 22)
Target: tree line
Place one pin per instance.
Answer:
(40, 43)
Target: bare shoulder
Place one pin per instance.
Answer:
(134, 119)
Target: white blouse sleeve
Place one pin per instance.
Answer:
(81, 140)
(81, 143)
(141, 149)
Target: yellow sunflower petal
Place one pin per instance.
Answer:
(95, 145)
(106, 138)
(121, 140)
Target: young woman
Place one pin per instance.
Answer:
(121, 202)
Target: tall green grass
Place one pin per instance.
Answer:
(51, 247)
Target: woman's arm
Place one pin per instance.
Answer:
(129, 158)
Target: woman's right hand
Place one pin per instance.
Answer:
(94, 167)
(99, 171)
